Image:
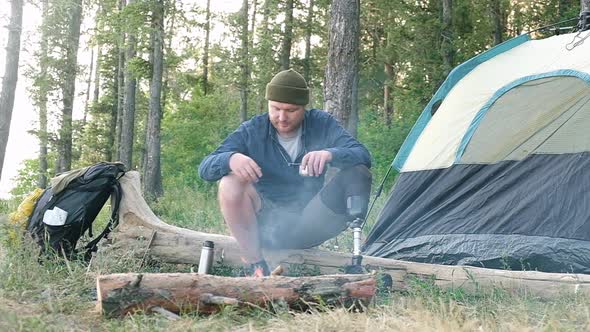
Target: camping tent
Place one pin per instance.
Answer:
(496, 171)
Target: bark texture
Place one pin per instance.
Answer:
(69, 86)
(496, 11)
(120, 294)
(446, 46)
(387, 92)
(342, 72)
(206, 49)
(88, 86)
(10, 75)
(42, 101)
(153, 175)
(585, 8)
(128, 121)
(120, 84)
(308, 32)
(245, 63)
(285, 56)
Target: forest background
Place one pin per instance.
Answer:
(158, 84)
(90, 74)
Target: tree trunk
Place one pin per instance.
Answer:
(308, 31)
(446, 46)
(167, 52)
(253, 27)
(585, 8)
(111, 135)
(496, 11)
(96, 93)
(88, 85)
(121, 82)
(244, 64)
(153, 175)
(287, 36)
(128, 123)
(142, 233)
(265, 62)
(10, 75)
(42, 101)
(387, 87)
(342, 72)
(206, 49)
(121, 294)
(69, 87)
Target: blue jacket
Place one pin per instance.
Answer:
(280, 181)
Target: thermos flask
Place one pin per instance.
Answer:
(206, 259)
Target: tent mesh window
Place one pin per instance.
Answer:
(543, 116)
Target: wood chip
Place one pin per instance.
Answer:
(277, 271)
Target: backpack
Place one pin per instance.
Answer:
(67, 209)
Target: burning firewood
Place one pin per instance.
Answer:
(121, 294)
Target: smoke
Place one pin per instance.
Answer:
(317, 214)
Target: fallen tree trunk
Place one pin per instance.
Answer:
(140, 228)
(120, 294)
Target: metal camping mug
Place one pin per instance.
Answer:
(303, 171)
(206, 259)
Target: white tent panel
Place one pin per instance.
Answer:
(541, 116)
(439, 142)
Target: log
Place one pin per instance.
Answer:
(140, 228)
(122, 294)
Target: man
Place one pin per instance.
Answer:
(272, 169)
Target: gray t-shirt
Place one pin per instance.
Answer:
(292, 145)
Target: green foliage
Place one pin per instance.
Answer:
(26, 179)
(140, 68)
(382, 141)
(194, 129)
(189, 207)
(4, 207)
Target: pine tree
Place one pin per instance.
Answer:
(244, 62)
(153, 175)
(206, 48)
(69, 86)
(10, 74)
(342, 71)
(128, 120)
(287, 36)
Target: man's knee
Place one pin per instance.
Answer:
(352, 181)
(359, 175)
(233, 190)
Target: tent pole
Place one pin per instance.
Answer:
(377, 195)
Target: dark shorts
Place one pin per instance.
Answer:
(302, 226)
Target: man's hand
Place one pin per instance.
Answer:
(245, 167)
(316, 161)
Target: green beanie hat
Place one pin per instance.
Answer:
(288, 86)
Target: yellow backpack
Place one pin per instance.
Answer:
(20, 217)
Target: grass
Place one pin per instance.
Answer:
(53, 296)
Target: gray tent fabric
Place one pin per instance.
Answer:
(532, 214)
